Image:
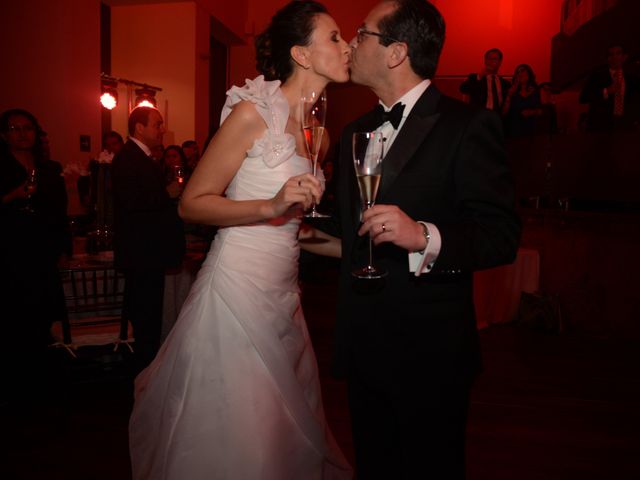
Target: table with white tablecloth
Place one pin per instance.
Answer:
(497, 290)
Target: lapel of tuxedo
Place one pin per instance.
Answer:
(419, 123)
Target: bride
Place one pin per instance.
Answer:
(234, 391)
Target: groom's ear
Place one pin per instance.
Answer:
(300, 55)
(398, 53)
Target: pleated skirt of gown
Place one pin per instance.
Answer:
(234, 391)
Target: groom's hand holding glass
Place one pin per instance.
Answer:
(388, 223)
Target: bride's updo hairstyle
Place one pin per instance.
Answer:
(292, 25)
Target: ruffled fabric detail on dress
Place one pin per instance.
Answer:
(275, 146)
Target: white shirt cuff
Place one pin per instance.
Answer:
(420, 263)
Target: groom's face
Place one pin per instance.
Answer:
(368, 56)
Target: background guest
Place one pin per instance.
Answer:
(112, 142)
(87, 186)
(174, 162)
(25, 163)
(191, 151)
(50, 199)
(548, 121)
(148, 237)
(487, 89)
(34, 234)
(522, 106)
(612, 93)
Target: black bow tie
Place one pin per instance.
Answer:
(394, 115)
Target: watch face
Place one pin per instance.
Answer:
(427, 236)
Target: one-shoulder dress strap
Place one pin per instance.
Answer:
(276, 146)
(270, 102)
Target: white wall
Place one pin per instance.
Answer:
(156, 44)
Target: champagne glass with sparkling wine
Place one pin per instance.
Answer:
(313, 114)
(30, 187)
(178, 172)
(367, 160)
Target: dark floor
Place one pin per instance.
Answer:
(547, 407)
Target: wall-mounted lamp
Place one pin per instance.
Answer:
(109, 97)
(145, 95)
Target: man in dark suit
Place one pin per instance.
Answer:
(148, 235)
(487, 89)
(408, 343)
(612, 93)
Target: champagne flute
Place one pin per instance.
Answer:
(313, 114)
(367, 161)
(30, 188)
(178, 172)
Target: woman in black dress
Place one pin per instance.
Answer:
(522, 107)
(33, 204)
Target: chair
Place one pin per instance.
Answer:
(94, 297)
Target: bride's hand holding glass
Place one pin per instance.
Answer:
(299, 192)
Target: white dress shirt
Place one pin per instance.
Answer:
(419, 262)
(621, 92)
(493, 102)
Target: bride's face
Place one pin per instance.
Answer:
(328, 52)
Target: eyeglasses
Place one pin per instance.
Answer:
(21, 128)
(361, 32)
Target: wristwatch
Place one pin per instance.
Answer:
(427, 236)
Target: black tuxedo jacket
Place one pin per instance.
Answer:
(148, 234)
(446, 166)
(600, 116)
(477, 90)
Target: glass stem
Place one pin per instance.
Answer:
(370, 267)
(314, 169)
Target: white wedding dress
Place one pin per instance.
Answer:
(234, 391)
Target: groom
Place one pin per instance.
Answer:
(408, 343)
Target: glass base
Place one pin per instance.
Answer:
(314, 214)
(369, 273)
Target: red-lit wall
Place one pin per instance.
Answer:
(521, 28)
(51, 67)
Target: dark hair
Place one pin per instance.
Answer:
(188, 143)
(139, 115)
(616, 45)
(291, 25)
(177, 148)
(493, 50)
(114, 134)
(4, 126)
(420, 25)
(532, 76)
(14, 112)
